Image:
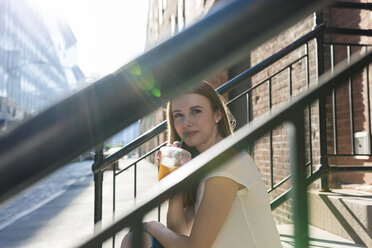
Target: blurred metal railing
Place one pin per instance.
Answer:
(95, 113)
(87, 118)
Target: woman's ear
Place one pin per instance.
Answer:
(217, 116)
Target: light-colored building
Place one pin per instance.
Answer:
(37, 59)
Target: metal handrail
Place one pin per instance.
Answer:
(238, 80)
(225, 88)
(334, 43)
(287, 194)
(352, 5)
(281, 182)
(140, 140)
(251, 89)
(140, 159)
(185, 176)
(349, 31)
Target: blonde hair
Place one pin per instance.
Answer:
(224, 125)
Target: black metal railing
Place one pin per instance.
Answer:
(292, 114)
(331, 116)
(350, 31)
(101, 164)
(364, 82)
(342, 104)
(268, 83)
(352, 5)
(328, 105)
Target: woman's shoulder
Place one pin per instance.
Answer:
(241, 162)
(241, 168)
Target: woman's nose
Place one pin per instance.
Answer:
(187, 121)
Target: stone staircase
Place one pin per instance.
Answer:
(318, 238)
(346, 213)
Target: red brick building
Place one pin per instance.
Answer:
(347, 121)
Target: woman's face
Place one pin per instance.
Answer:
(193, 116)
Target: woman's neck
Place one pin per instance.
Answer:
(214, 139)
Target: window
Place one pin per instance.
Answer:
(160, 12)
(181, 14)
(173, 24)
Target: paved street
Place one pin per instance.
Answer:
(58, 211)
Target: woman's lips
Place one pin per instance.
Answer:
(190, 133)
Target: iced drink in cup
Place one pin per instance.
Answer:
(171, 158)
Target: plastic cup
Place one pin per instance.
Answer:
(171, 158)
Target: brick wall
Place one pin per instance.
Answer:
(165, 22)
(355, 19)
(299, 75)
(281, 91)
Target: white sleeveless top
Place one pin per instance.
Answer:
(250, 222)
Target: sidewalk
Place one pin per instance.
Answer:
(58, 212)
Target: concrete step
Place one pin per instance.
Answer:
(343, 212)
(318, 238)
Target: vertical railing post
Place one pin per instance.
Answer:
(368, 103)
(137, 238)
(98, 180)
(135, 181)
(322, 112)
(323, 146)
(271, 148)
(309, 110)
(250, 118)
(351, 104)
(298, 168)
(114, 198)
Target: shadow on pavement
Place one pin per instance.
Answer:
(49, 212)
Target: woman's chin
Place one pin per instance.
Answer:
(190, 143)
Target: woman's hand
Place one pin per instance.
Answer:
(158, 154)
(177, 144)
(147, 226)
(164, 170)
(158, 157)
(127, 240)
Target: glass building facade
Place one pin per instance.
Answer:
(37, 60)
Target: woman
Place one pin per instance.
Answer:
(231, 206)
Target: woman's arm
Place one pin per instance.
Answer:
(217, 200)
(179, 219)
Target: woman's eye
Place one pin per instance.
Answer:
(177, 115)
(195, 111)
